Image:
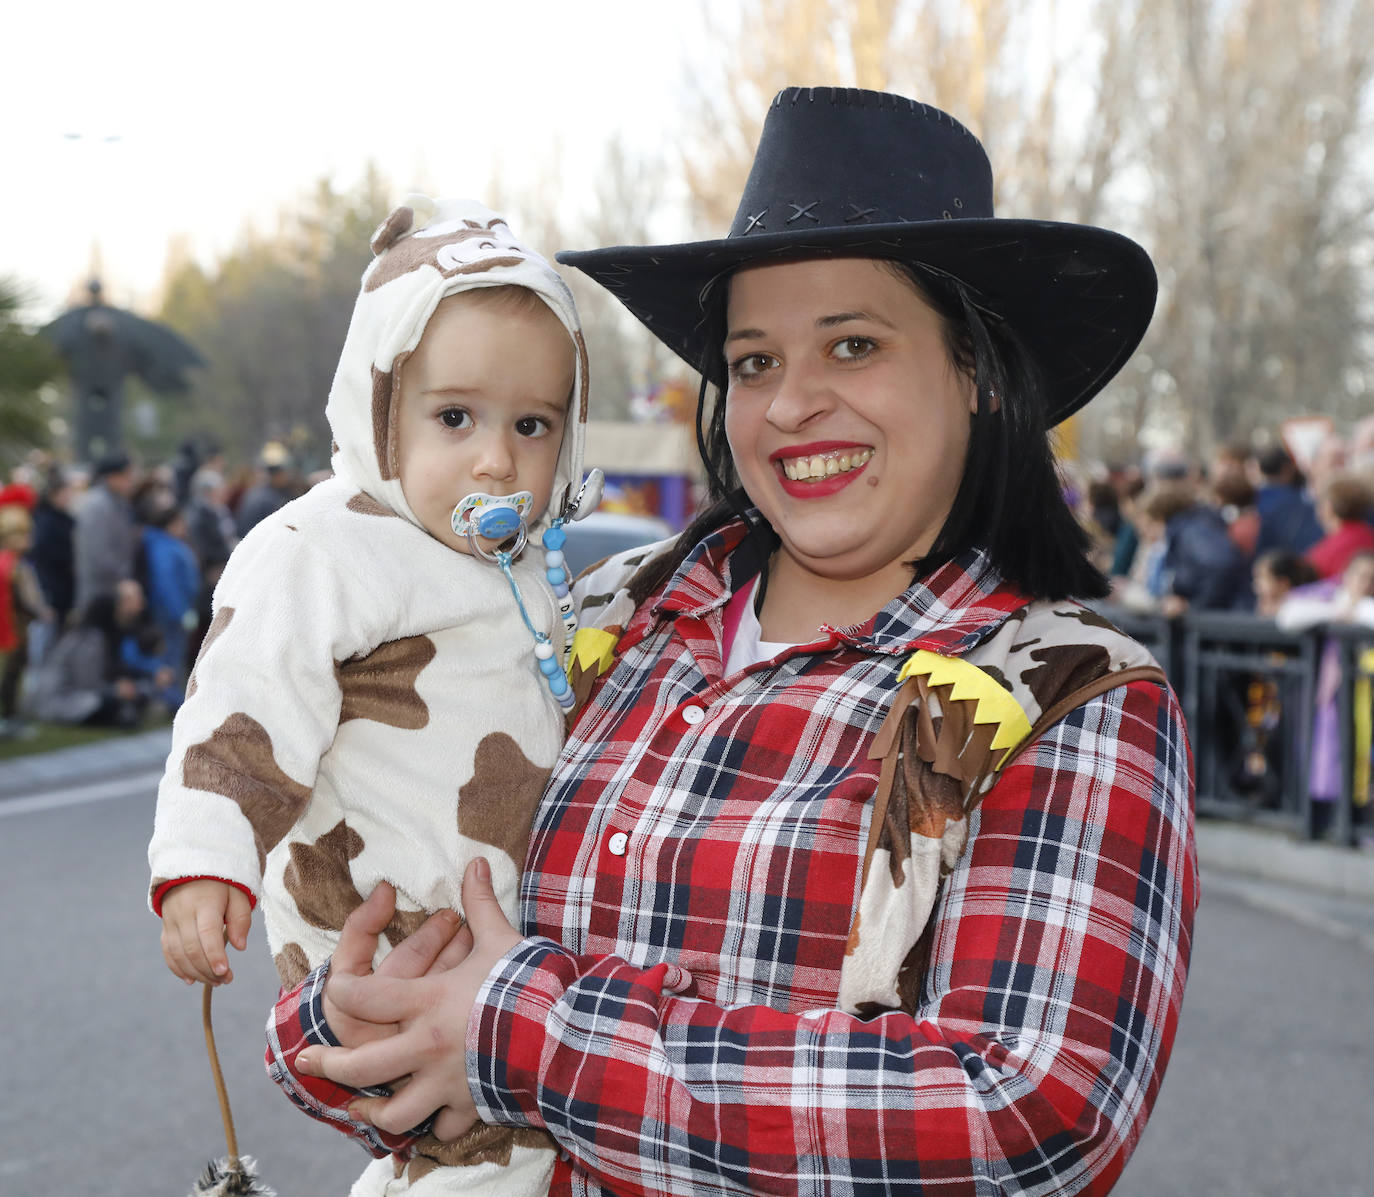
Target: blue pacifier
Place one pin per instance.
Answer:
(494, 517)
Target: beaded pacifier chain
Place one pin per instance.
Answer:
(500, 522)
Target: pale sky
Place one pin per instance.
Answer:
(130, 123)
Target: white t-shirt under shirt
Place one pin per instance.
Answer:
(744, 643)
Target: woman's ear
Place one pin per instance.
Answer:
(994, 399)
(971, 391)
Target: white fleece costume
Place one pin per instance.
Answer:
(367, 705)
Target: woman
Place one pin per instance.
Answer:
(868, 861)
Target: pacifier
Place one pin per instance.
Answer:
(493, 517)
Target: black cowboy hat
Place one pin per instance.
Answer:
(852, 173)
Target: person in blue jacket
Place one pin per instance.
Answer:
(171, 577)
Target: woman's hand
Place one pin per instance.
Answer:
(417, 1024)
(441, 942)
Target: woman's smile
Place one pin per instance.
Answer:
(818, 470)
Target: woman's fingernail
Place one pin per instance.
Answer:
(303, 1062)
(483, 869)
(221, 968)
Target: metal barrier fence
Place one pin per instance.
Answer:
(1264, 706)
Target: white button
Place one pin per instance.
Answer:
(693, 715)
(617, 843)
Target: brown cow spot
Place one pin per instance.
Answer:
(320, 882)
(1088, 618)
(292, 965)
(319, 879)
(1061, 669)
(410, 253)
(481, 1145)
(381, 685)
(237, 762)
(212, 633)
(365, 504)
(497, 806)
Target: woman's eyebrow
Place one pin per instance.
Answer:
(754, 334)
(846, 317)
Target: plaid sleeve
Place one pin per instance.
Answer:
(297, 1021)
(1029, 1066)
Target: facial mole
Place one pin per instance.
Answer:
(872, 479)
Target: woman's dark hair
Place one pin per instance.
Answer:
(1010, 500)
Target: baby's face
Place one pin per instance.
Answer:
(484, 400)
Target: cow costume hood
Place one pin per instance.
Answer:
(427, 250)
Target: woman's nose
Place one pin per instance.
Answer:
(801, 396)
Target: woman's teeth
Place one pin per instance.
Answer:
(824, 465)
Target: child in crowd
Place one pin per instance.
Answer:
(173, 583)
(380, 695)
(1275, 575)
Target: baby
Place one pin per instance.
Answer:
(380, 694)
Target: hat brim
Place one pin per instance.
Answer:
(1079, 297)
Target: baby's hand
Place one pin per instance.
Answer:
(197, 918)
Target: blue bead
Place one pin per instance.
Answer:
(548, 667)
(559, 684)
(555, 538)
(557, 577)
(553, 559)
(561, 590)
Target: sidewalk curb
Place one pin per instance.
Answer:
(103, 760)
(1275, 856)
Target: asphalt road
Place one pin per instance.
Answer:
(107, 1092)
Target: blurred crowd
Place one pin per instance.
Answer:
(1249, 532)
(106, 577)
(1244, 531)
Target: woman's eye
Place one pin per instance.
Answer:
(532, 426)
(853, 348)
(751, 365)
(454, 417)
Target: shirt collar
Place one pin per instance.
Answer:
(956, 607)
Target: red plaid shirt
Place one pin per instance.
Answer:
(689, 891)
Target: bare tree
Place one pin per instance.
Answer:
(270, 318)
(1257, 210)
(629, 189)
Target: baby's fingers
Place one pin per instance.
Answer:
(208, 951)
(238, 918)
(181, 948)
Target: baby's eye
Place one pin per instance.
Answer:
(751, 365)
(532, 426)
(853, 348)
(455, 417)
